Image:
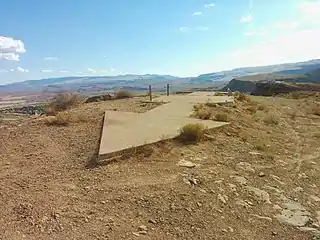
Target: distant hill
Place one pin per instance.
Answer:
(249, 83)
(294, 71)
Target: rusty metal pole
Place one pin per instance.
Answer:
(150, 93)
(168, 89)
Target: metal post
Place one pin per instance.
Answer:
(150, 93)
(168, 89)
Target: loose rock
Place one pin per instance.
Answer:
(188, 164)
(143, 228)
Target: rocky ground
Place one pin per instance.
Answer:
(256, 178)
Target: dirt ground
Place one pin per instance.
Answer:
(257, 178)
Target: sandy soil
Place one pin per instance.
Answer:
(251, 180)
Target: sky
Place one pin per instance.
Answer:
(43, 39)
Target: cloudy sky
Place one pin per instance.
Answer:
(41, 39)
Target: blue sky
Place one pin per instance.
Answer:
(40, 39)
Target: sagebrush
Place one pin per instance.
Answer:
(62, 102)
(123, 94)
(192, 132)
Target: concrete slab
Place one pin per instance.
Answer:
(124, 130)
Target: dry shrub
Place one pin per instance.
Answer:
(260, 146)
(210, 104)
(271, 119)
(316, 110)
(293, 114)
(192, 132)
(203, 114)
(242, 97)
(221, 117)
(62, 102)
(198, 106)
(252, 109)
(65, 118)
(220, 94)
(262, 107)
(122, 94)
(245, 136)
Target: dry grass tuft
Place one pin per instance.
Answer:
(271, 119)
(211, 104)
(65, 118)
(293, 114)
(263, 107)
(252, 109)
(204, 114)
(219, 94)
(221, 117)
(242, 97)
(62, 102)
(122, 94)
(261, 146)
(198, 107)
(316, 110)
(192, 133)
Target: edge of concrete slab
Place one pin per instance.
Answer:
(105, 158)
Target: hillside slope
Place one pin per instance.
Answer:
(249, 83)
(254, 179)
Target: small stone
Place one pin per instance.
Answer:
(142, 232)
(8, 163)
(152, 221)
(103, 202)
(188, 164)
(315, 198)
(193, 181)
(231, 229)
(241, 180)
(136, 234)
(255, 153)
(199, 204)
(189, 209)
(222, 199)
(142, 228)
(262, 174)
(86, 187)
(202, 190)
(274, 233)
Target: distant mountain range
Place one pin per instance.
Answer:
(158, 82)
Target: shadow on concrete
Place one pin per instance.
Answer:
(94, 160)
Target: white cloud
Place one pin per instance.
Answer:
(295, 46)
(20, 69)
(309, 13)
(10, 49)
(209, 5)
(288, 25)
(91, 70)
(256, 33)
(63, 71)
(46, 70)
(202, 28)
(246, 19)
(51, 59)
(79, 72)
(184, 29)
(197, 13)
